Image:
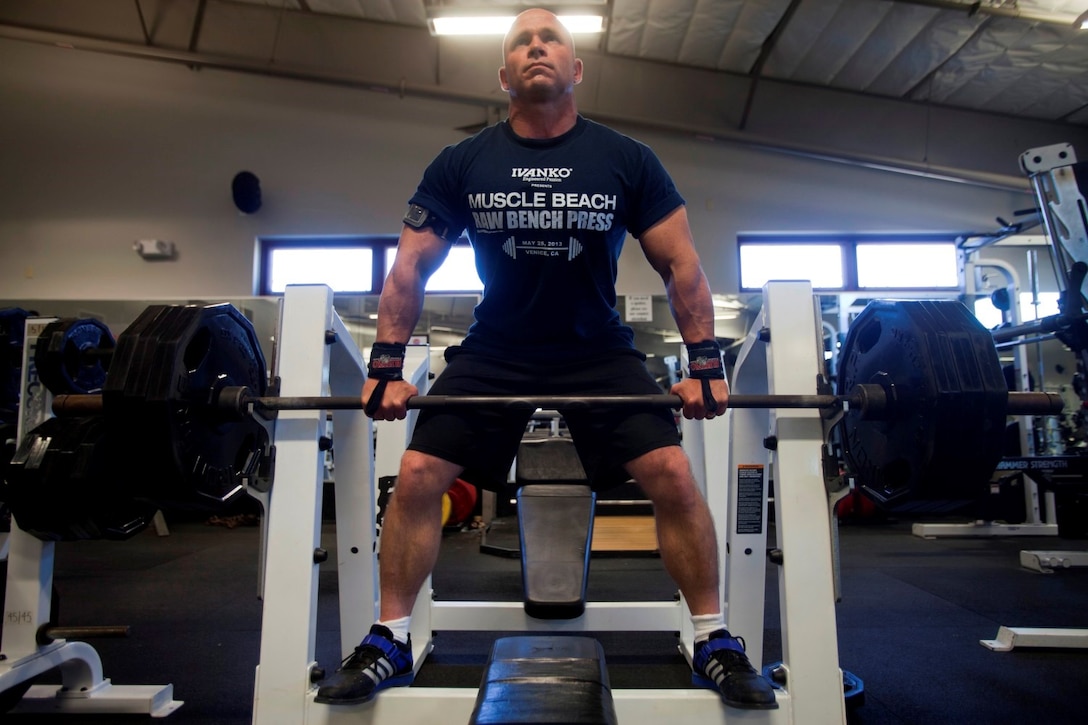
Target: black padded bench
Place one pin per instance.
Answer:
(545, 680)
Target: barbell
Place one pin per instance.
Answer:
(173, 423)
(871, 400)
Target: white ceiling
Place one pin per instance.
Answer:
(1021, 58)
(933, 87)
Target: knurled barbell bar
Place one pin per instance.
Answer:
(872, 400)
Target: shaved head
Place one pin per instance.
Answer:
(532, 18)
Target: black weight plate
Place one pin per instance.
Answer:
(72, 355)
(8, 443)
(12, 330)
(167, 367)
(941, 370)
(60, 484)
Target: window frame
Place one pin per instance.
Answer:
(378, 244)
(848, 244)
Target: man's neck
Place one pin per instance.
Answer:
(542, 120)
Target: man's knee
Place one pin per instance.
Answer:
(424, 475)
(664, 474)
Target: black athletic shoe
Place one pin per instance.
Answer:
(377, 663)
(721, 665)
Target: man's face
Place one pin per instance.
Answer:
(539, 54)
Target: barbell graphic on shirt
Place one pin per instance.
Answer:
(542, 248)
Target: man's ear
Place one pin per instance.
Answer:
(577, 71)
(502, 79)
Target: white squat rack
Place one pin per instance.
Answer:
(735, 483)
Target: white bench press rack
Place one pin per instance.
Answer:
(781, 355)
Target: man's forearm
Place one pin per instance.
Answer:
(692, 304)
(399, 309)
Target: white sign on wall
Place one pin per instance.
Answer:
(640, 308)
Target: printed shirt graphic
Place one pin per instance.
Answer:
(547, 220)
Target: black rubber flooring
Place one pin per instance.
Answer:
(912, 615)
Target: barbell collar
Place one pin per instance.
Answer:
(74, 404)
(1032, 403)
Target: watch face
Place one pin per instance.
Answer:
(416, 215)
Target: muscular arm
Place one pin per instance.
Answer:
(670, 249)
(419, 253)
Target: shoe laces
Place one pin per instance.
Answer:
(733, 661)
(364, 656)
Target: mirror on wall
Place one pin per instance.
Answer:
(444, 321)
(263, 312)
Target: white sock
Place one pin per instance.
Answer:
(707, 623)
(399, 627)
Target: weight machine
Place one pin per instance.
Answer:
(734, 478)
(1060, 184)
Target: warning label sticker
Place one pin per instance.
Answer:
(750, 499)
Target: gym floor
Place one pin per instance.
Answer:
(912, 615)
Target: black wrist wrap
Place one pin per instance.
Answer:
(386, 361)
(705, 361)
(705, 364)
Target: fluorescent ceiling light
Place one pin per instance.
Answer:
(499, 24)
(467, 25)
(583, 23)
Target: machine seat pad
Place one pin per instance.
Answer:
(545, 680)
(556, 527)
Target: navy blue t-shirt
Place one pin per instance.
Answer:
(547, 220)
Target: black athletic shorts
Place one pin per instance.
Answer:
(485, 442)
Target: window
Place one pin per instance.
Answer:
(349, 265)
(851, 262)
(819, 263)
(457, 273)
(348, 269)
(903, 266)
(352, 265)
(990, 316)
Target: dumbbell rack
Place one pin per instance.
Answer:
(83, 688)
(309, 365)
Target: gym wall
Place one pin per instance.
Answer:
(99, 151)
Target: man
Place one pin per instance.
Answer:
(547, 198)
